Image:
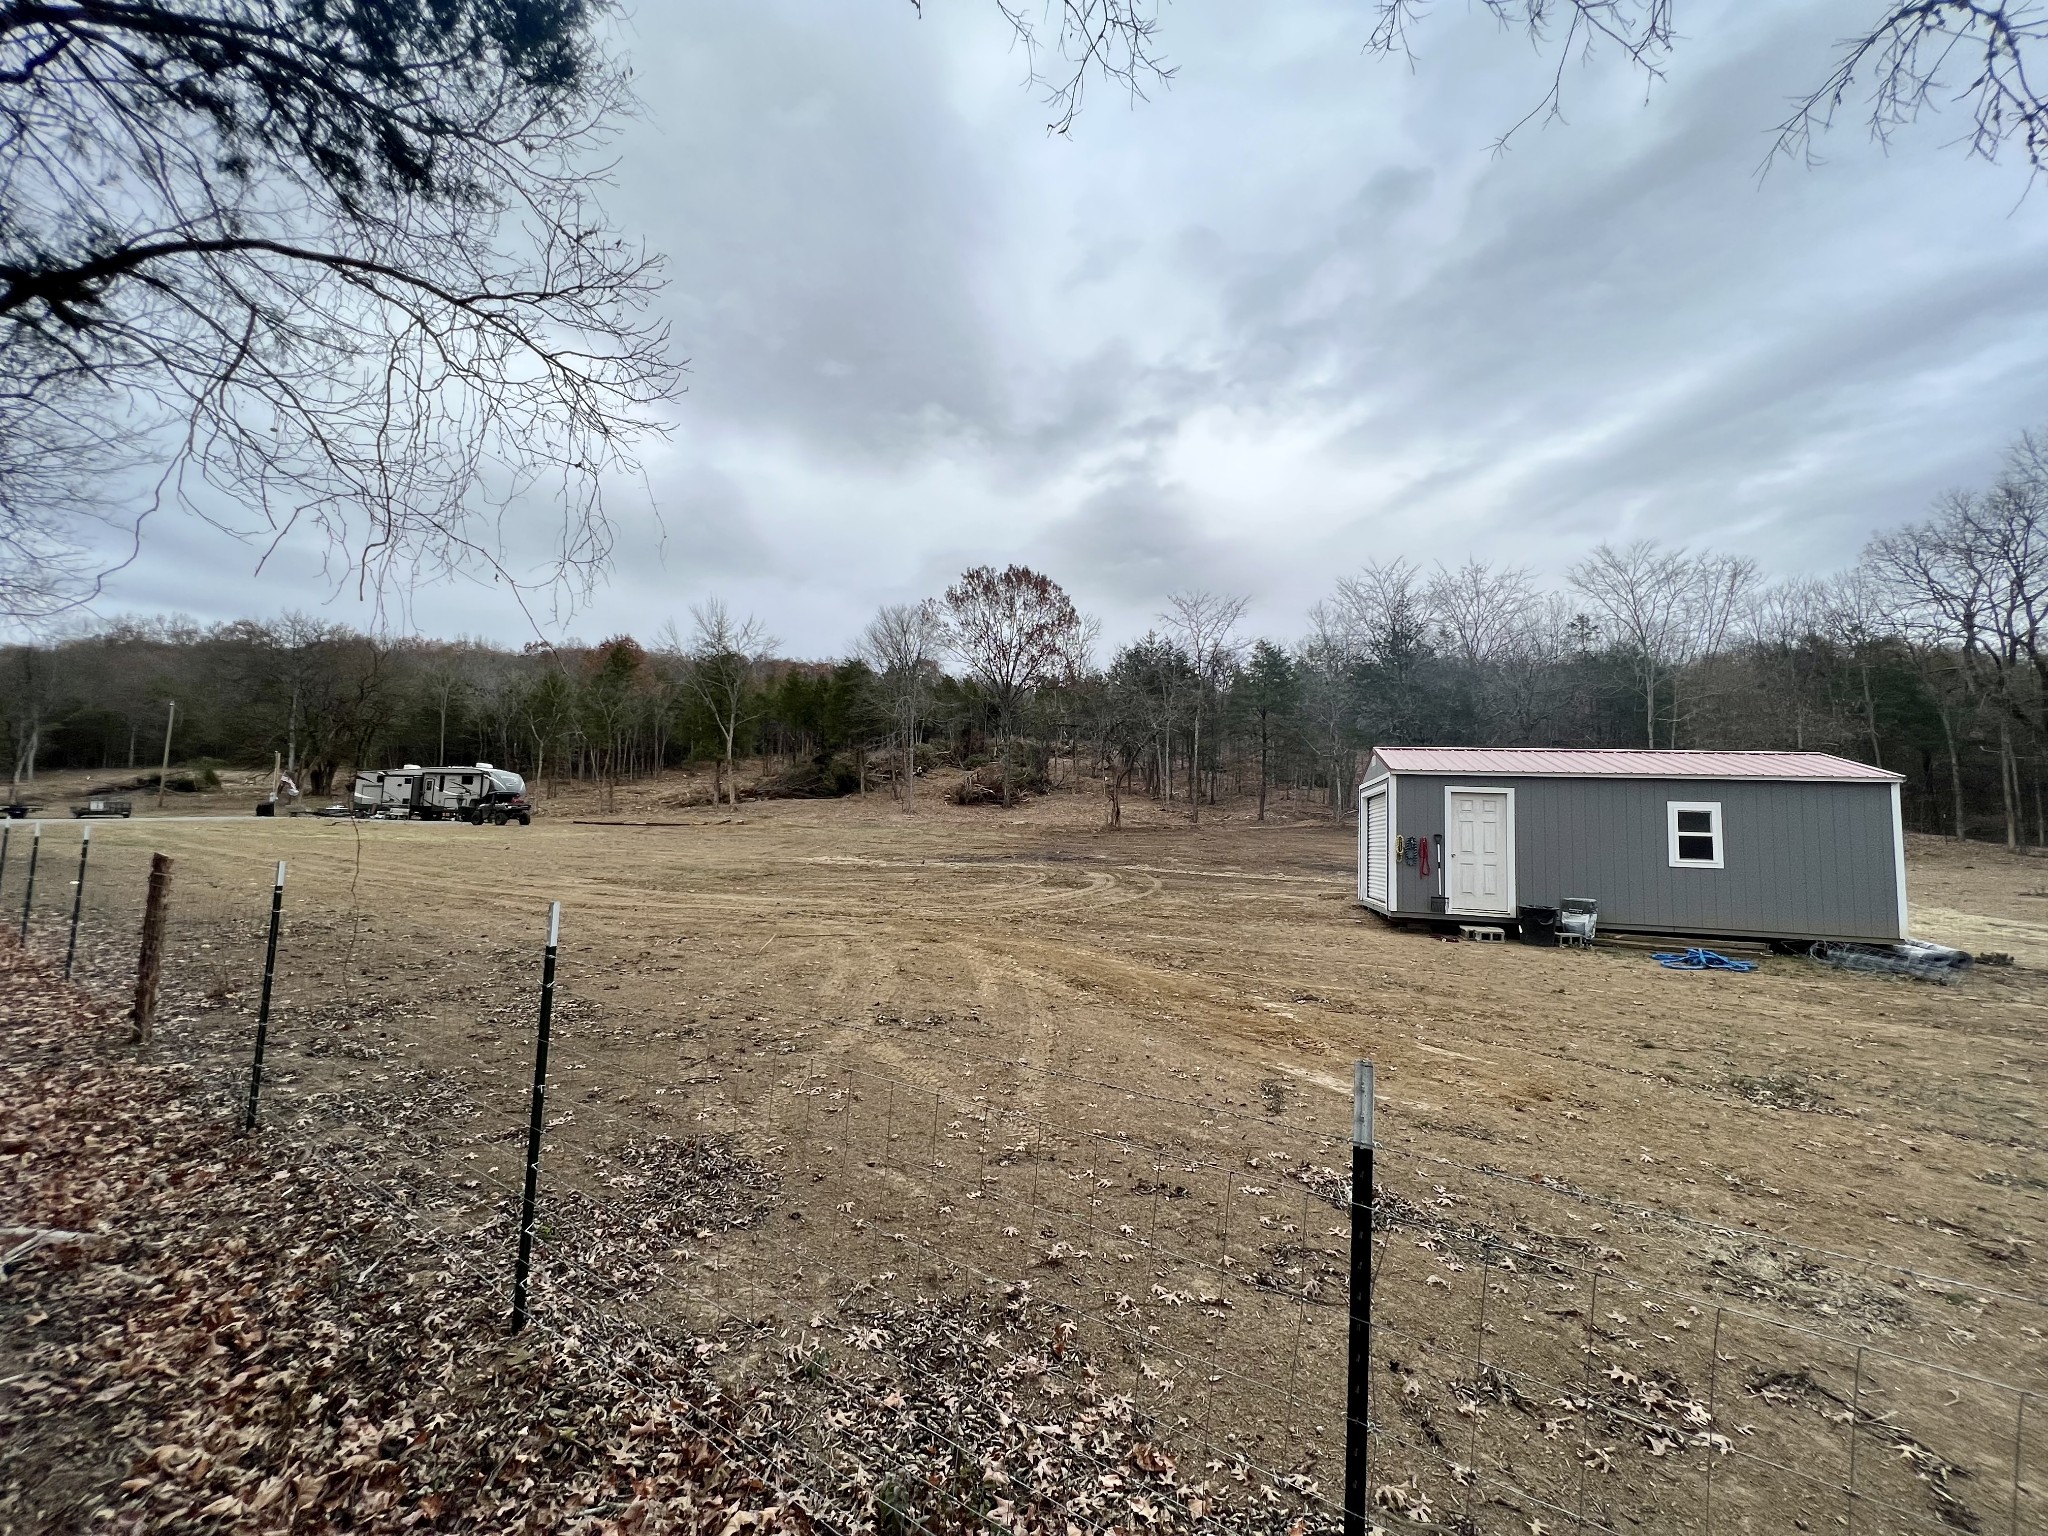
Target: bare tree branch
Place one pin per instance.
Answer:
(1915, 55)
(1071, 41)
(1973, 52)
(336, 269)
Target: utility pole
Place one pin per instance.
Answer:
(164, 773)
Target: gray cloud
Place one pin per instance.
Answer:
(708, 525)
(1133, 541)
(1289, 314)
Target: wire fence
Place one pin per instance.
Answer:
(1038, 1280)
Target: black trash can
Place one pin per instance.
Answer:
(1538, 925)
(266, 807)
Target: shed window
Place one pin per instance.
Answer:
(1695, 834)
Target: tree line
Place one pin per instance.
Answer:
(1926, 657)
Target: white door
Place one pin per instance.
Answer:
(1481, 873)
(1372, 852)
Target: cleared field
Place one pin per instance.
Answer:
(956, 1052)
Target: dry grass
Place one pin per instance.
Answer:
(982, 1048)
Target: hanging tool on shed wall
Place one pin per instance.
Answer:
(1422, 857)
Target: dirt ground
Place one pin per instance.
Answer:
(1659, 1250)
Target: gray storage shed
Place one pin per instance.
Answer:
(1764, 845)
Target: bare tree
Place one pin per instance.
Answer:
(613, 700)
(903, 643)
(546, 708)
(26, 702)
(668, 683)
(1858, 618)
(1382, 613)
(1205, 625)
(1642, 592)
(1149, 687)
(1974, 579)
(1782, 630)
(449, 677)
(1537, 674)
(1075, 669)
(1717, 594)
(725, 653)
(1920, 625)
(341, 264)
(299, 666)
(1015, 631)
(1480, 616)
(1479, 610)
(1328, 665)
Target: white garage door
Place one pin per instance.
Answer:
(1373, 855)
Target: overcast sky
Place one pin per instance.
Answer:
(1288, 315)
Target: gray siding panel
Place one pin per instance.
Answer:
(1801, 859)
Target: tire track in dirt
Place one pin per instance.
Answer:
(1199, 968)
(1148, 992)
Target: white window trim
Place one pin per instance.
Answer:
(1899, 855)
(1451, 791)
(1361, 845)
(1393, 842)
(1671, 810)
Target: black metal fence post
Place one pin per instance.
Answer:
(536, 1120)
(77, 897)
(263, 1001)
(1358, 1359)
(6, 836)
(35, 846)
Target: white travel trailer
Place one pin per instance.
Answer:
(388, 792)
(476, 793)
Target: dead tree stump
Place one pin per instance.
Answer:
(149, 969)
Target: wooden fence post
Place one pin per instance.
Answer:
(149, 970)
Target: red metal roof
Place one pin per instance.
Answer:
(1551, 762)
